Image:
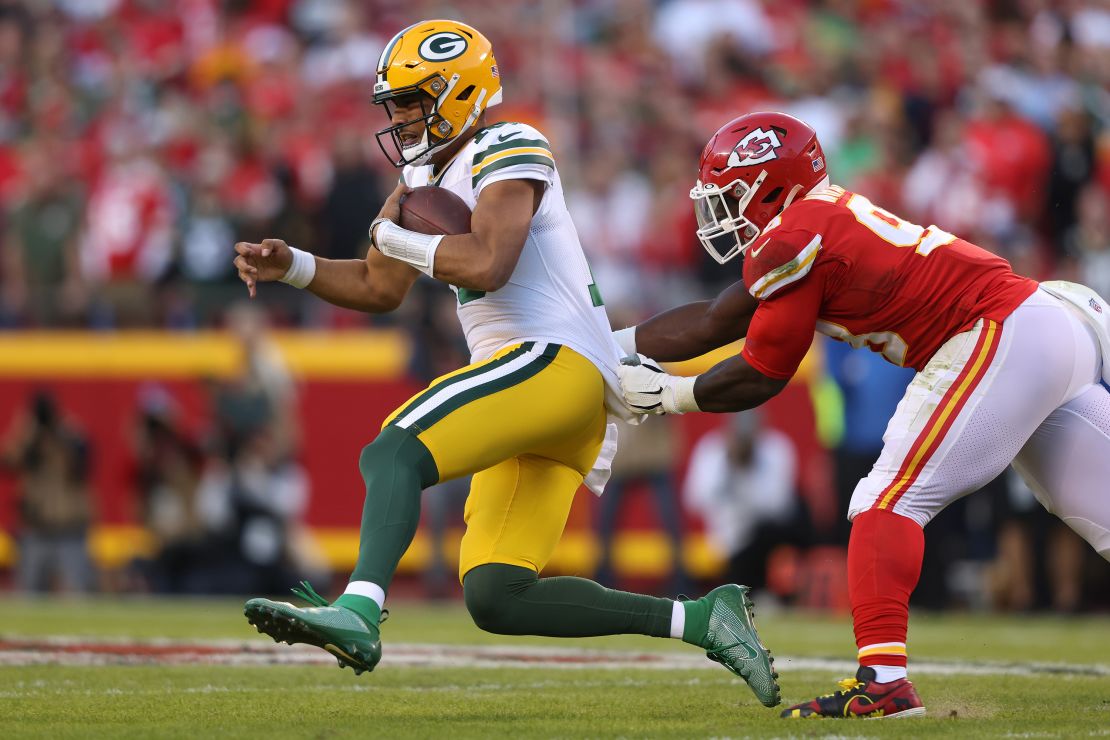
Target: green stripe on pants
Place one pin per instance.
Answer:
(433, 389)
(426, 420)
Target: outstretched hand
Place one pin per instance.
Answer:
(265, 262)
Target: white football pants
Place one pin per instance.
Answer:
(1027, 391)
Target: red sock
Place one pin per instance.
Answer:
(884, 563)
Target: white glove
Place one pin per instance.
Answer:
(649, 390)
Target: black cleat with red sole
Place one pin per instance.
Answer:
(863, 697)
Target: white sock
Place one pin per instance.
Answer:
(678, 620)
(888, 673)
(368, 590)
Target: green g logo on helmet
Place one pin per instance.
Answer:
(442, 46)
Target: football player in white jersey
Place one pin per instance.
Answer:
(529, 418)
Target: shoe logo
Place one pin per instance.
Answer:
(506, 137)
(757, 250)
(338, 652)
(860, 709)
(751, 653)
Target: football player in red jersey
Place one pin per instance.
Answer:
(1009, 370)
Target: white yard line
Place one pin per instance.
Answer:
(85, 652)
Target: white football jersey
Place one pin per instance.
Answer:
(551, 295)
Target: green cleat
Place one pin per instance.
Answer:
(340, 631)
(732, 641)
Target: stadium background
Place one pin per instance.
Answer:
(190, 443)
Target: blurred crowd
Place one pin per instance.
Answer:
(140, 139)
(220, 506)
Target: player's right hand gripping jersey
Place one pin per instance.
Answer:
(855, 272)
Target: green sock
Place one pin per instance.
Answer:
(395, 467)
(697, 621)
(365, 607)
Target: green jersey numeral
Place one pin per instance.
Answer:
(466, 295)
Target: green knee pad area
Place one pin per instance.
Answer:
(396, 448)
(511, 600)
(490, 594)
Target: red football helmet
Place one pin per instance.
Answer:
(752, 168)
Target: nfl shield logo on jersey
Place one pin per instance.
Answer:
(1096, 305)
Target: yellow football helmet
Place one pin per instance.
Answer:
(451, 63)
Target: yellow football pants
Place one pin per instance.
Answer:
(528, 423)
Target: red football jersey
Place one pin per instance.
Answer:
(836, 263)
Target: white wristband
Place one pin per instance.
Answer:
(301, 270)
(681, 397)
(626, 338)
(419, 250)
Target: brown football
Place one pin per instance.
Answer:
(434, 210)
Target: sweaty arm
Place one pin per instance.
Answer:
(779, 336)
(696, 328)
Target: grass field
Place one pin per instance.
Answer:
(120, 673)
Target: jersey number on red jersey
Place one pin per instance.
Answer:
(894, 230)
(902, 234)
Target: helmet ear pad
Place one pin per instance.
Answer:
(440, 130)
(771, 202)
(768, 204)
(436, 89)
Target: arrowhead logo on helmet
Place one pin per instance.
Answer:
(756, 147)
(750, 171)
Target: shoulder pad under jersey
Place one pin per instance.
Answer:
(778, 259)
(510, 145)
